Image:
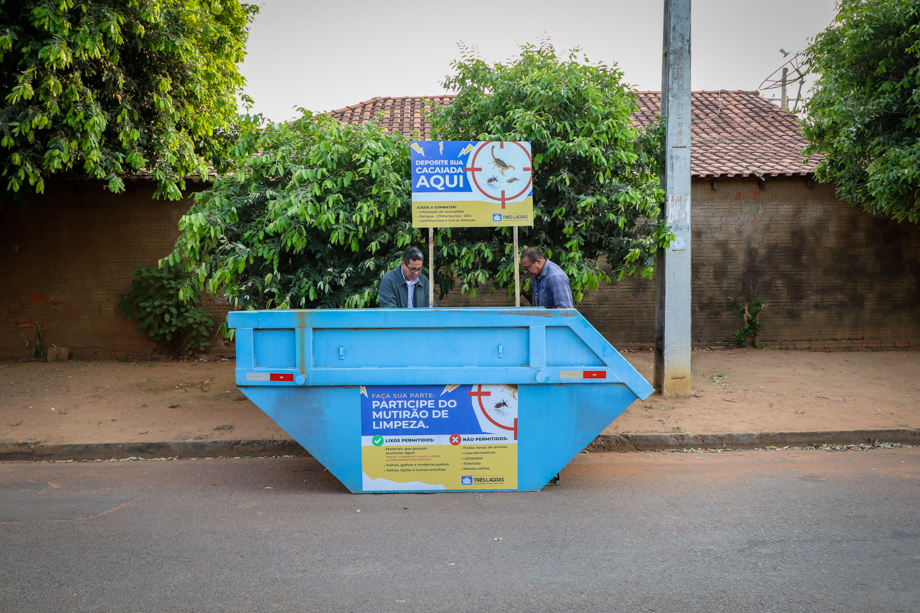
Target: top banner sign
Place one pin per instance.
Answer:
(458, 184)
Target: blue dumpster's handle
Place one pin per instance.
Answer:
(400, 347)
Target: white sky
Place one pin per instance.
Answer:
(328, 55)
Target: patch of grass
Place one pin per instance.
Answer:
(37, 350)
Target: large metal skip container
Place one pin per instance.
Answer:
(407, 400)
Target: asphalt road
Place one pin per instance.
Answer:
(736, 531)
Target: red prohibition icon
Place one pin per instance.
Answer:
(478, 395)
(455, 439)
(498, 162)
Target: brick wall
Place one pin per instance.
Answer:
(832, 277)
(77, 246)
(826, 271)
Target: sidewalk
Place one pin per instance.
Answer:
(743, 398)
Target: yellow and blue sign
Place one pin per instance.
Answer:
(439, 437)
(471, 184)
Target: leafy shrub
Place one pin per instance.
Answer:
(750, 315)
(314, 215)
(154, 302)
(596, 190)
(863, 121)
(316, 212)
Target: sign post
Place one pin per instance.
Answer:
(517, 270)
(430, 267)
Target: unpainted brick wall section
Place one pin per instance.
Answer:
(65, 257)
(833, 278)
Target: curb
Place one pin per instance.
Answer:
(604, 443)
(121, 451)
(761, 440)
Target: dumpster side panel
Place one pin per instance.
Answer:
(564, 348)
(558, 421)
(326, 421)
(419, 347)
(274, 349)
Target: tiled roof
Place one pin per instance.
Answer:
(403, 115)
(735, 133)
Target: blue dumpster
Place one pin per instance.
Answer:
(408, 400)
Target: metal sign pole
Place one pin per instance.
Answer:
(517, 270)
(430, 267)
(672, 266)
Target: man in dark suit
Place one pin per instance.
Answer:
(405, 286)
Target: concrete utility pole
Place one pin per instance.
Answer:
(672, 266)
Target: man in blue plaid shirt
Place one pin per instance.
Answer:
(549, 283)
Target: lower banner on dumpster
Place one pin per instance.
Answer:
(439, 437)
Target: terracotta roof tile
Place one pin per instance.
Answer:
(735, 133)
(402, 115)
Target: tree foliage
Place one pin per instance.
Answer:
(864, 118)
(317, 211)
(106, 87)
(313, 216)
(595, 184)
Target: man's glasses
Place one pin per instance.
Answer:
(414, 268)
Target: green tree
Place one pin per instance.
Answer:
(107, 87)
(595, 184)
(317, 211)
(313, 215)
(863, 122)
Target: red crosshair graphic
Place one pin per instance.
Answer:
(455, 439)
(473, 169)
(479, 396)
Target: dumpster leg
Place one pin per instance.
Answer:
(556, 480)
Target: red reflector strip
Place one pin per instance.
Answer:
(582, 374)
(280, 376)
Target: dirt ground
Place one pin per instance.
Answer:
(741, 390)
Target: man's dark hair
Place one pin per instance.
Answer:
(532, 253)
(413, 253)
